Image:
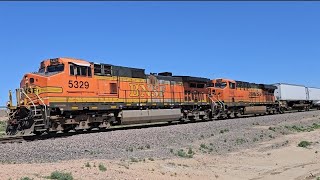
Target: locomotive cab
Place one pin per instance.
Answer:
(222, 90)
(55, 77)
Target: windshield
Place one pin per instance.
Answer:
(221, 85)
(55, 68)
(41, 70)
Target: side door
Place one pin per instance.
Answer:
(232, 91)
(107, 87)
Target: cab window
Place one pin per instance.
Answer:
(200, 85)
(55, 68)
(193, 85)
(42, 70)
(79, 70)
(71, 69)
(221, 85)
(232, 85)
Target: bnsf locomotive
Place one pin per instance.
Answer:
(68, 95)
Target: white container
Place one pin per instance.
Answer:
(316, 103)
(291, 92)
(314, 95)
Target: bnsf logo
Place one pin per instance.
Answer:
(32, 91)
(149, 90)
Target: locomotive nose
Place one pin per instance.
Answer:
(29, 78)
(29, 81)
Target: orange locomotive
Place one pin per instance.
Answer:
(239, 98)
(69, 94)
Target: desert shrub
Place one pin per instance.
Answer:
(224, 130)
(182, 153)
(304, 144)
(26, 178)
(87, 165)
(102, 167)
(203, 146)
(134, 159)
(61, 175)
(240, 141)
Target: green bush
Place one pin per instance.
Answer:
(134, 159)
(61, 176)
(182, 153)
(102, 167)
(240, 141)
(26, 178)
(224, 130)
(304, 144)
(88, 165)
(203, 146)
(2, 125)
(2, 128)
(148, 146)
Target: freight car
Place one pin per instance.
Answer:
(68, 95)
(314, 97)
(293, 97)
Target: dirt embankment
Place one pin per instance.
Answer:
(3, 114)
(290, 151)
(288, 161)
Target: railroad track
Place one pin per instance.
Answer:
(5, 140)
(20, 139)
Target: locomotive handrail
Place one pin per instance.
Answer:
(45, 106)
(35, 108)
(221, 103)
(12, 115)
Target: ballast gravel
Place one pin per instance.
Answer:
(214, 137)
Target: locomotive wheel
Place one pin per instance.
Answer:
(12, 130)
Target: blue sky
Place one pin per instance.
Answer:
(263, 42)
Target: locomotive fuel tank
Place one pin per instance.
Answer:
(255, 110)
(149, 116)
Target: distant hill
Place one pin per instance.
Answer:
(3, 113)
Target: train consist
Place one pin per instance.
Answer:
(68, 95)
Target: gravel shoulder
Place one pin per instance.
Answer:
(263, 147)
